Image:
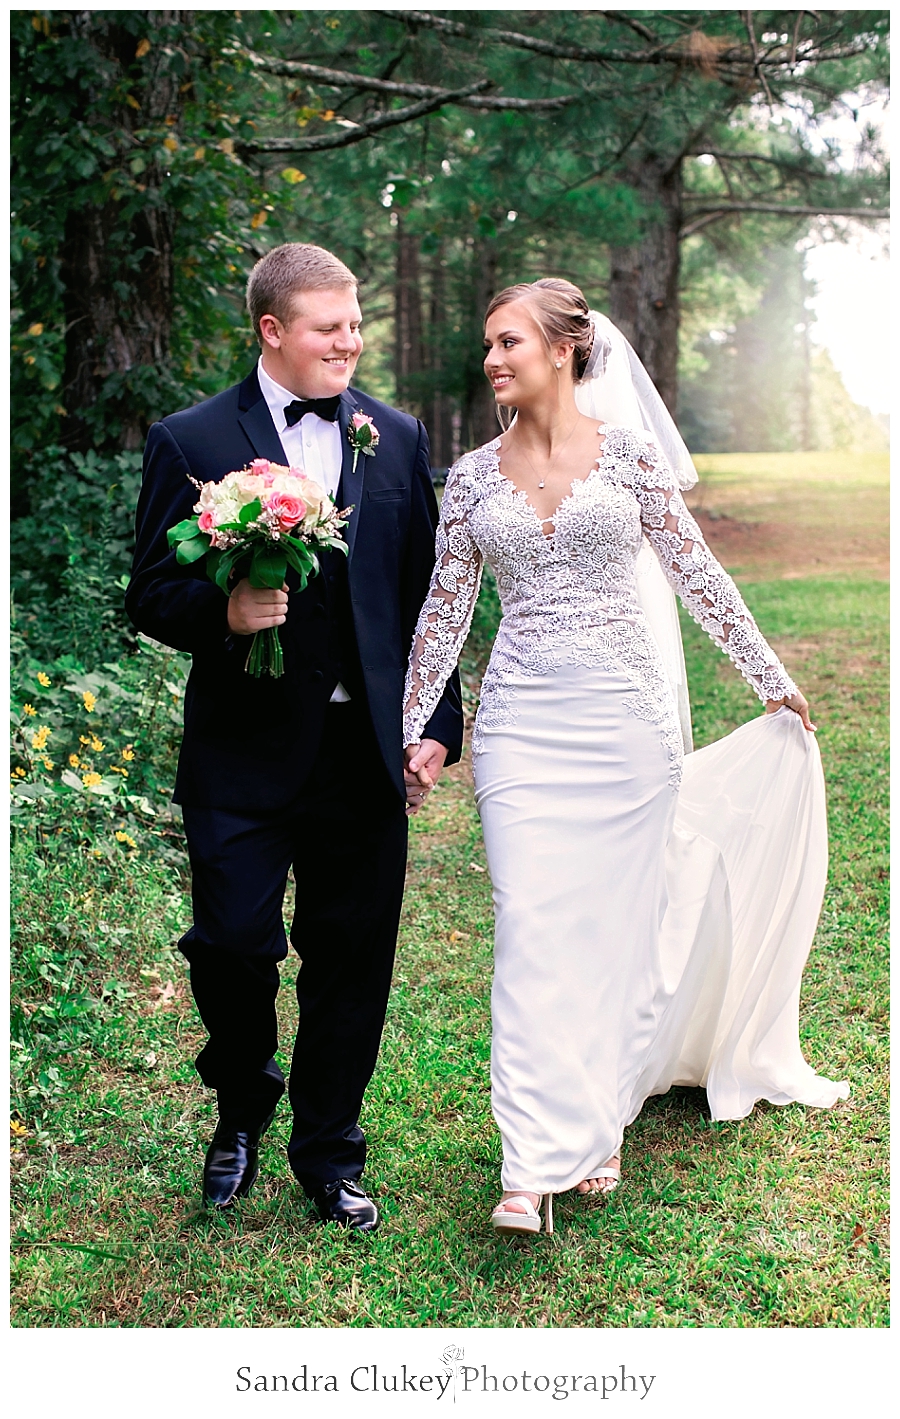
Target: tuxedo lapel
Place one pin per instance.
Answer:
(351, 486)
(256, 421)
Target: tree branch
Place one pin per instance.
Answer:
(635, 25)
(736, 54)
(702, 216)
(341, 79)
(523, 41)
(358, 131)
(757, 158)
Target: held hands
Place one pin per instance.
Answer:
(252, 609)
(798, 704)
(424, 763)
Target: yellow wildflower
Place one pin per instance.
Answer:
(29, 709)
(91, 780)
(114, 769)
(39, 740)
(97, 744)
(17, 1129)
(48, 763)
(44, 680)
(128, 754)
(19, 772)
(84, 739)
(124, 838)
(90, 701)
(74, 761)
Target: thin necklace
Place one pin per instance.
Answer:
(556, 459)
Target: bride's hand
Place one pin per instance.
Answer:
(423, 766)
(798, 703)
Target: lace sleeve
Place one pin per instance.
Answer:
(704, 586)
(447, 613)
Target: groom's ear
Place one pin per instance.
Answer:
(271, 331)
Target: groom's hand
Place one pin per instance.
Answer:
(254, 608)
(424, 763)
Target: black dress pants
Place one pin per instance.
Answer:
(346, 837)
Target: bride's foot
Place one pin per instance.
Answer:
(605, 1180)
(519, 1212)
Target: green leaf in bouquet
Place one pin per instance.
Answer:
(303, 566)
(269, 567)
(225, 564)
(192, 550)
(303, 557)
(183, 532)
(249, 513)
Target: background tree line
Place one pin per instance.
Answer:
(662, 159)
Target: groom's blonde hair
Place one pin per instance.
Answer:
(287, 271)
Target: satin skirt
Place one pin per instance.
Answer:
(644, 936)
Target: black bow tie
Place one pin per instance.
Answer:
(325, 408)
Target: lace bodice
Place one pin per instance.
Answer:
(572, 594)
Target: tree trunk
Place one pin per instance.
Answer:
(479, 418)
(109, 338)
(118, 279)
(439, 413)
(643, 284)
(408, 321)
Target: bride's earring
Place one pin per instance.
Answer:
(559, 364)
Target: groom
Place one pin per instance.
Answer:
(305, 771)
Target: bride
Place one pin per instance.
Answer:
(654, 907)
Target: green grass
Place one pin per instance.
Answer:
(848, 470)
(778, 1220)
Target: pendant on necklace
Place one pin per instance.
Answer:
(541, 483)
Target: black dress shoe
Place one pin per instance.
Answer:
(232, 1163)
(344, 1201)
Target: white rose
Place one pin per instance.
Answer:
(250, 486)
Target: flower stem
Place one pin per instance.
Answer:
(265, 656)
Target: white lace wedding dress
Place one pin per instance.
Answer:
(651, 928)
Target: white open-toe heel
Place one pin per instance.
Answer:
(527, 1221)
(611, 1175)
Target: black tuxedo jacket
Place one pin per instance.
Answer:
(249, 744)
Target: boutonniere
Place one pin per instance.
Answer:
(363, 436)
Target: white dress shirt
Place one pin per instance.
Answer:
(311, 444)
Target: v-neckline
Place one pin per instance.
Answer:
(521, 493)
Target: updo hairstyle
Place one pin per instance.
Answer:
(560, 312)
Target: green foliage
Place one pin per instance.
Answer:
(93, 755)
(133, 127)
(88, 136)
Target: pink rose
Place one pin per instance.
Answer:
(262, 467)
(287, 509)
(206, 521)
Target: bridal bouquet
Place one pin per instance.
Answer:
(256, 523)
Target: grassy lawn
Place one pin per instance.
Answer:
(778, 1220)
